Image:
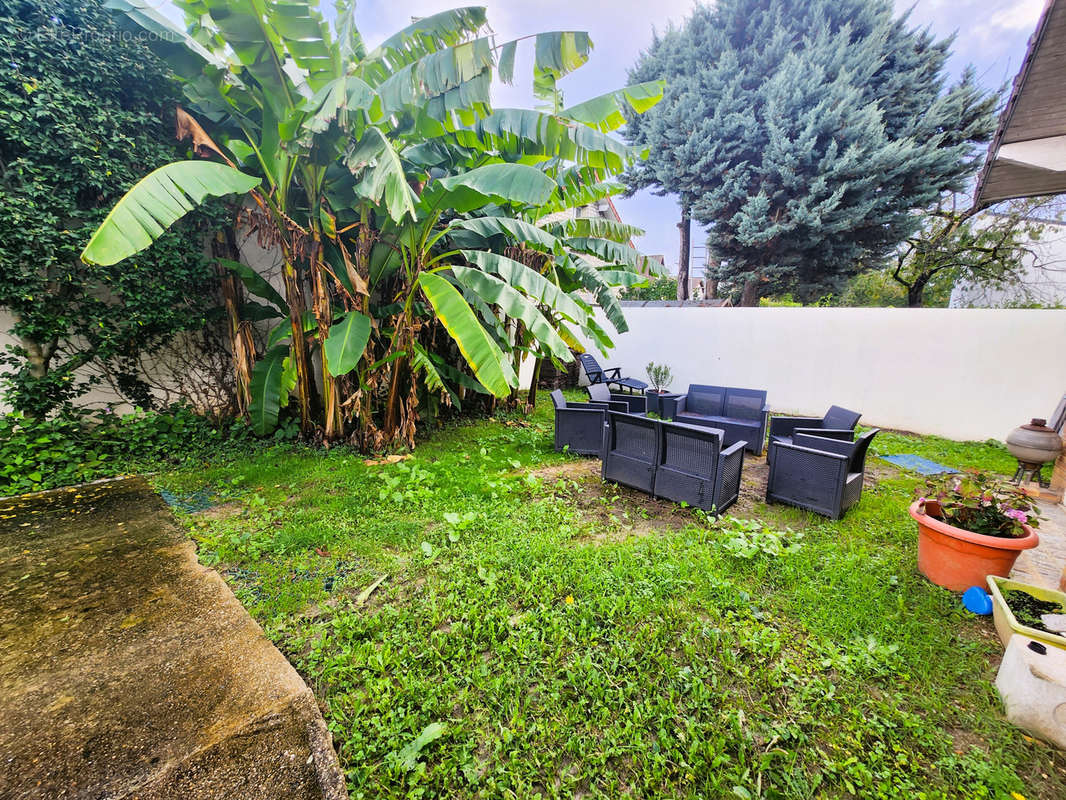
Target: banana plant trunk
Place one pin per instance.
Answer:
(242, 346)
(531, 398)
(394, 422)
(323, 311)
(304, 379)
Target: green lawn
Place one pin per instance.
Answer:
(541, 635)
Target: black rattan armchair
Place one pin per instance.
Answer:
(612, 376)
(693, 468)
(838, 423)
(817, 473)
(634, 403)
(579, 426)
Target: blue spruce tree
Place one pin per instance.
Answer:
(804, 134)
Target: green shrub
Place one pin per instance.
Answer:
(659, 289)
(69, 449)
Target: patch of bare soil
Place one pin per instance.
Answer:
(877, 471)
(223, 511)
(586, 467)
(752, 488)
(617, 512)
(622, 512)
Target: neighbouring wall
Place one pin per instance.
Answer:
(959, 373)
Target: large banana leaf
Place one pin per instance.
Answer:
(251, 35)
(425, 35)
(596, 282)
(622, 277)
(607, 112)
(288, 380)
(599, 336)
(523, 131)
(346, 342)
(420, 362)
(256, 284)
(529, 281)
(596, 227)
(383, 179)
(489, 318)
(577, 186)
(258, 312)
(493, 183)
(453, 79)
(448, 372)
(616, 253)
(516, 229)
(505, 62)
(307, 39)
(516, 306)
(558, 53)
(266, 386)
(349, 40)
(343, 94)
(283, 330)
(156, 202)
(486, 359)
(186, 56)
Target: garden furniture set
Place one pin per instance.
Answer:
(694, 453)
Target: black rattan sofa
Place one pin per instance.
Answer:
(672, 460)
(741, 414)
(819, 474)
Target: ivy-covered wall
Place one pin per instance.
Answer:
(85, 111)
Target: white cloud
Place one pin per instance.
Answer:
(1021, 15)
(976, 21)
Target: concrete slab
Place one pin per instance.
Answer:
(128, 670)
(1044, 564)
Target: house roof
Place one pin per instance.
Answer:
(1027, 156)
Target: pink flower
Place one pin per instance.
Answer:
(1015, 514)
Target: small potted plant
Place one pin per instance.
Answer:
(659, 375)
(971, 526)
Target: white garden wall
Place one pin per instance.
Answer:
(959, 373)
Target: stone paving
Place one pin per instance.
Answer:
(128, 670)
(1044, 564)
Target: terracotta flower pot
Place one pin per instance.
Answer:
(958, 559)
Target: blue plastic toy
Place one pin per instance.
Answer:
(977, 601)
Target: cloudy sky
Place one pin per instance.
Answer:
(990, 34)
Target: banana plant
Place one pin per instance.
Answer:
(360, 167)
